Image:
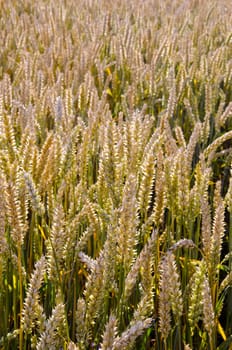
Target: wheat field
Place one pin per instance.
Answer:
(115, 175)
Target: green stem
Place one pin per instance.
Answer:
(179, 333)
(20, 297)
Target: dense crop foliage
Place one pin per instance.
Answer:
(115, 174)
